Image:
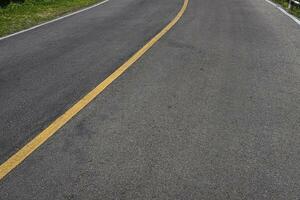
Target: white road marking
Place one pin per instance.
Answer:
(54, 20)
(284, 11)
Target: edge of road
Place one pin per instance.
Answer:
(23, 153)
(295, 19)
(54, 20)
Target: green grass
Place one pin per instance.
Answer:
(295, 9)
(18, 16)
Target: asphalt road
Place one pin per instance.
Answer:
(45, 71)
(212, 111)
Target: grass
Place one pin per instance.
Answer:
(295, 10)
(18, 16)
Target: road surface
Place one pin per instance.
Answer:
(212, 111)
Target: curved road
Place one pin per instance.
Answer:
(45, 71)
(212, 111)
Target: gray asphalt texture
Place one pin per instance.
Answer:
(212, 111)
(45, 71)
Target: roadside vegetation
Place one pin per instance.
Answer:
(295, 9)
(16, 15)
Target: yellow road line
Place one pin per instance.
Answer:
(42, 137)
